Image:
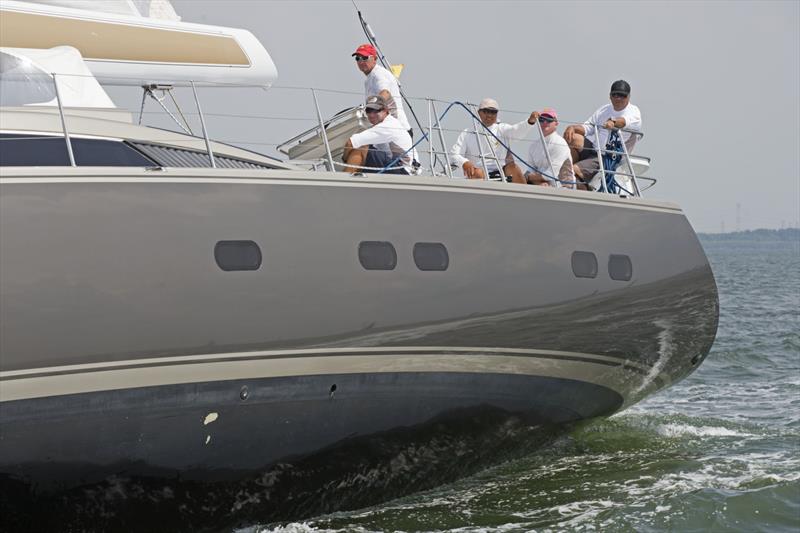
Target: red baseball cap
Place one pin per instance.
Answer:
(365, 50)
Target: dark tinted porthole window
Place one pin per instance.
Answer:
(29, 150)
(584, 264)
(620, 267)
(237, 255)
(431, 256)
(377, 255)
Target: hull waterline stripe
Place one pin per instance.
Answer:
(620, 376)
(323, 352)
(615, 378)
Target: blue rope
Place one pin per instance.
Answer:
(611, 160)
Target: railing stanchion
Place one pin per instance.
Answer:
(636, 190)
(323, 132)
(64, 123)
(430, 138)
(602, 170)
(547, 153)
(203, 125)
(446, 153)
(480, 150)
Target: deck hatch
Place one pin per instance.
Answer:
(377, 255)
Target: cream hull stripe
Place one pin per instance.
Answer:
(616, 375)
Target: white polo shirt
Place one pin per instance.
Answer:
(391, 133)
(466, 147)
(558, 149)
(631, 114)
(380, 79)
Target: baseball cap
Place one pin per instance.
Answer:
(620, 86)
(489, 103)
(365, 50)
(375, 101)
(549, 112)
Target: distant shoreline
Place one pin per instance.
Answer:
(788, 234)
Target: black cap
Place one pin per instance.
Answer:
(621, 86)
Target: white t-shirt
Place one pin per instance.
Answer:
(390, 133)
(558, 149)
(380, 79)
(466, 147)
(631, 114)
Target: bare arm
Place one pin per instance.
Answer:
(348, 147)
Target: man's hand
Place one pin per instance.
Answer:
(533, 118)
(471, 171)
(569, 133)
(609, 124)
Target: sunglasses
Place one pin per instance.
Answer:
(546, 120)
(489, 111)
(370, 111)
(361, 58)
(619, 95)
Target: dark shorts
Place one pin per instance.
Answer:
(588, 151)
(378, 158)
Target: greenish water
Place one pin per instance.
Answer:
(719, 451)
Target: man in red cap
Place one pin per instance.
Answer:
(380, 82)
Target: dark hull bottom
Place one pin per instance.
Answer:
(219, 454)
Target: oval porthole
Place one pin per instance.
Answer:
(237, 255)
(377, 255)
(431, 256)
(620, 267)
(584, 264)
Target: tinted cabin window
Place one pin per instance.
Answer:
(377, 255)
(237, 255)
(431, 256)
(620, 267)
(584, 264)
(42, 151)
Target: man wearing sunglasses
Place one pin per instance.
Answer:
(620, 113)
(466, 152)
(380, 145)
(380, 82)
(555, 171)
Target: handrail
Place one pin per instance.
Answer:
(483, 134)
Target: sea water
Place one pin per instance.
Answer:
(719, 451)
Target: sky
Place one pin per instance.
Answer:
(718, 83)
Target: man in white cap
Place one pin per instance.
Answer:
(620, 113)
(384, 143)
(467, 151)
(553, 168)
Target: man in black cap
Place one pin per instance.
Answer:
(620, 113)
(387, 141)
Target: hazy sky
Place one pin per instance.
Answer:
(718, 83)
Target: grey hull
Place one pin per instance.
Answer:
(122, 341)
